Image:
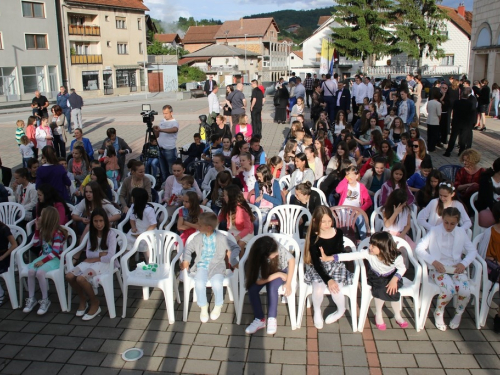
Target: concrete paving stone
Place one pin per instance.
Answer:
(472, 335)
(267, 342)
(355, 357)
(231, 367)
(488, 361)
(294, 370)
(413, 335)
(34, 353)
(471, 347)
(258, 355)
(461, 361)
(489, 335)
(171, 366)
(328, 328)
(87, 358)
(113, 360)
(81, 331)
(397, 360)
(485, 372)
(41, 340)
(427, 371)
(185, 327)
(13, 325)
(32, 327)
(130, 372)
(351, 339)
(457, 372)
(394, 371)
(42, 368)
(210, 328)
(286, 331)
(114, 346)
(183, 338)
(330, 359)
(10, 351)
(62, 319)
(390, 334)
(157, 325)
(87, 323)
(329, 342)
(329, 370)
(17, 338)
(172, 350)
(60, 355)
(15, 367)
(413, 347)
(148, 348)
(388, 346)
(295, 344)
(356, 371)
(229, 354)
(428, 360)
(448, 335)
(71, 370)
(232, 329)
(200, 352)
(495, 346)
(197, 366)
(144, 314)
(145, 363)
(91, 345)
(262, 368)
(134, 323)
(100, 371)
(106, 321)
(239, 341)
(106, 333)
(210, 340)
(446, 347)
(148, 304)
(132, 334)
(66, 342)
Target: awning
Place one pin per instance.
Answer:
(127, 67)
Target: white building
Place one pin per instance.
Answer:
(485, 52)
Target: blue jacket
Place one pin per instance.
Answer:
(62, 100)
(275, 199)
(411, 110)
(86, 145)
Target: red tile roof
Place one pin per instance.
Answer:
(168, 38)
(130, 4)
(250, 26)
(323, 19)
(465, 24)
(188, 60)
(201, 34)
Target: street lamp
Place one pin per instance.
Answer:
(246, 52)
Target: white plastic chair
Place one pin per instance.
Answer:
(173, 220)
(12, 213)
(12, 197)
(430, 289)
(160, 243)
(230, 280)
(476, 229)
(377, 224)
(285, 182)
(258, 214)
(317, 190)
(349, 291)
(410, 288)
(320, 181)
(9, 276)
(376, 198)
(489, 289)
(288, 216)
(292, 246)
(56, 275)
(117, 195)
(152, 179)
(105, 280)
(205, 194)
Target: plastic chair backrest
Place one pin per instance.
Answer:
(346, 216)
(285, 182)
(175, 215)
(288, 216)
(160, 244)
(320, 192)
(11, 213)
(258, 215)
(152, 179)
(450, 171)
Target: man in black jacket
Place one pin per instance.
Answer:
(209, 85)
(343, 99)
(462, 121)
(483, 103)
(6, 175)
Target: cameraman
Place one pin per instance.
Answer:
(166, 134)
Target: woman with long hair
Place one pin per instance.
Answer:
(314, 162)
(239, 148)
(137, 179)
(216, 195)
(57, 123)
(98, 175)
(227, 107)
(187, 222)
(48, 196)
(288, 156)
(142, 219)
(267, 191)
(52, 173)
(244, 128)
(302, 172)
(380, 108)
(418, 154)
(396, 214)
(79, 165)
(417, 96)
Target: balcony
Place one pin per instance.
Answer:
(86, 59)
(84, 30)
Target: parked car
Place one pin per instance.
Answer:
(428, 83)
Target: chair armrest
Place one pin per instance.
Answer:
(69, 254)
(478, 270)
(20, 251)
(29, 227)
(418, 269)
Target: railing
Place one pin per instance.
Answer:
(405, 69)
(224, 68)
(90, 30)
(86, 59)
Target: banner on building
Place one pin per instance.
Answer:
(326, 56)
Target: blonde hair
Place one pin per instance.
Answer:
(49, 224)
(19, 122)
(24, 140)
(473, 155)
(220, 117)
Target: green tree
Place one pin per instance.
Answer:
(156, 48)
(419, 26)
(363, 30)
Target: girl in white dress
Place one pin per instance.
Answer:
(143, 218)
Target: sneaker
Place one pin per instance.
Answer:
(255, 326)
(214, 315)
(272, 326)
(204, 314)
(44, 306)
(30, 304)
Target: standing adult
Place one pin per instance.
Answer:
(369, 88)
(483, 104)
(433, 119)
(462, 117)
(57, 121)
(280, 102)
(121, 147)
(406, 109)
(472, 98)
(356, 97)
(236, 100)
(444, 126)
(166, 134)
(39, 105)
(317, 105)
(309, 86)
(213, 105)
(87, 145)
(256, 103)
(53, 173)
(209, 85)
(227, 107)
(76, 104)
(329, 88)
(417, 96)
(300, 90)
(62, 101)
(343, 99)
(293, 78)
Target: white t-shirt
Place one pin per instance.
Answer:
(496, 186)
(403, 111)
(353, 196)
(168, 140)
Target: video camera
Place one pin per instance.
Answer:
(148, 115)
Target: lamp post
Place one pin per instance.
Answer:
(246, 52)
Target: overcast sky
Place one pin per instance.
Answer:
(170, 10)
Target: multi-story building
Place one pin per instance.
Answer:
(29, 50)
(485, 51)
(104, 46)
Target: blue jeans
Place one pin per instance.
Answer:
(200, 286)
(67, 114)
(25, 162)
(330, 107)
(272, 298)
(167, 158)
(152, 166)
(496, 107)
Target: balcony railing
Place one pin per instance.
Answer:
(87, 30)
(86, 59)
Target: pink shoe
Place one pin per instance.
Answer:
(381, 327)
(402, 325)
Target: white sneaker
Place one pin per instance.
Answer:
(272, 326)
(255, 326)
(318, 322)
(204, 314)
(214, 315)
(30, 304)
(44, 306)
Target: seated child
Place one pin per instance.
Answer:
(187, 183)
(32, 167)
(418, 179)
(194, 151)
(308, 140)
(210, 247)
(187, 222)
(213, 148)
(150, 154)
(401, 146)
(25, 193)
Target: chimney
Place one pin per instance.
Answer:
(461, 9)
(241, 23)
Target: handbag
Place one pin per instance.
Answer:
(493, 270)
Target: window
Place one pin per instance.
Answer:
(36, 41)
(484, 37)
(33, 78)
(108, 43)
(53, 86)
(140, 49)
(82, 49)
(139, 24)
(120, 23)
(122, 48)
(448, 60)
(106, 18)
(90, 80)
(125, 78)
(8, 81)
(33, 10)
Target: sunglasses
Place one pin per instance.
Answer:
(415, 146)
